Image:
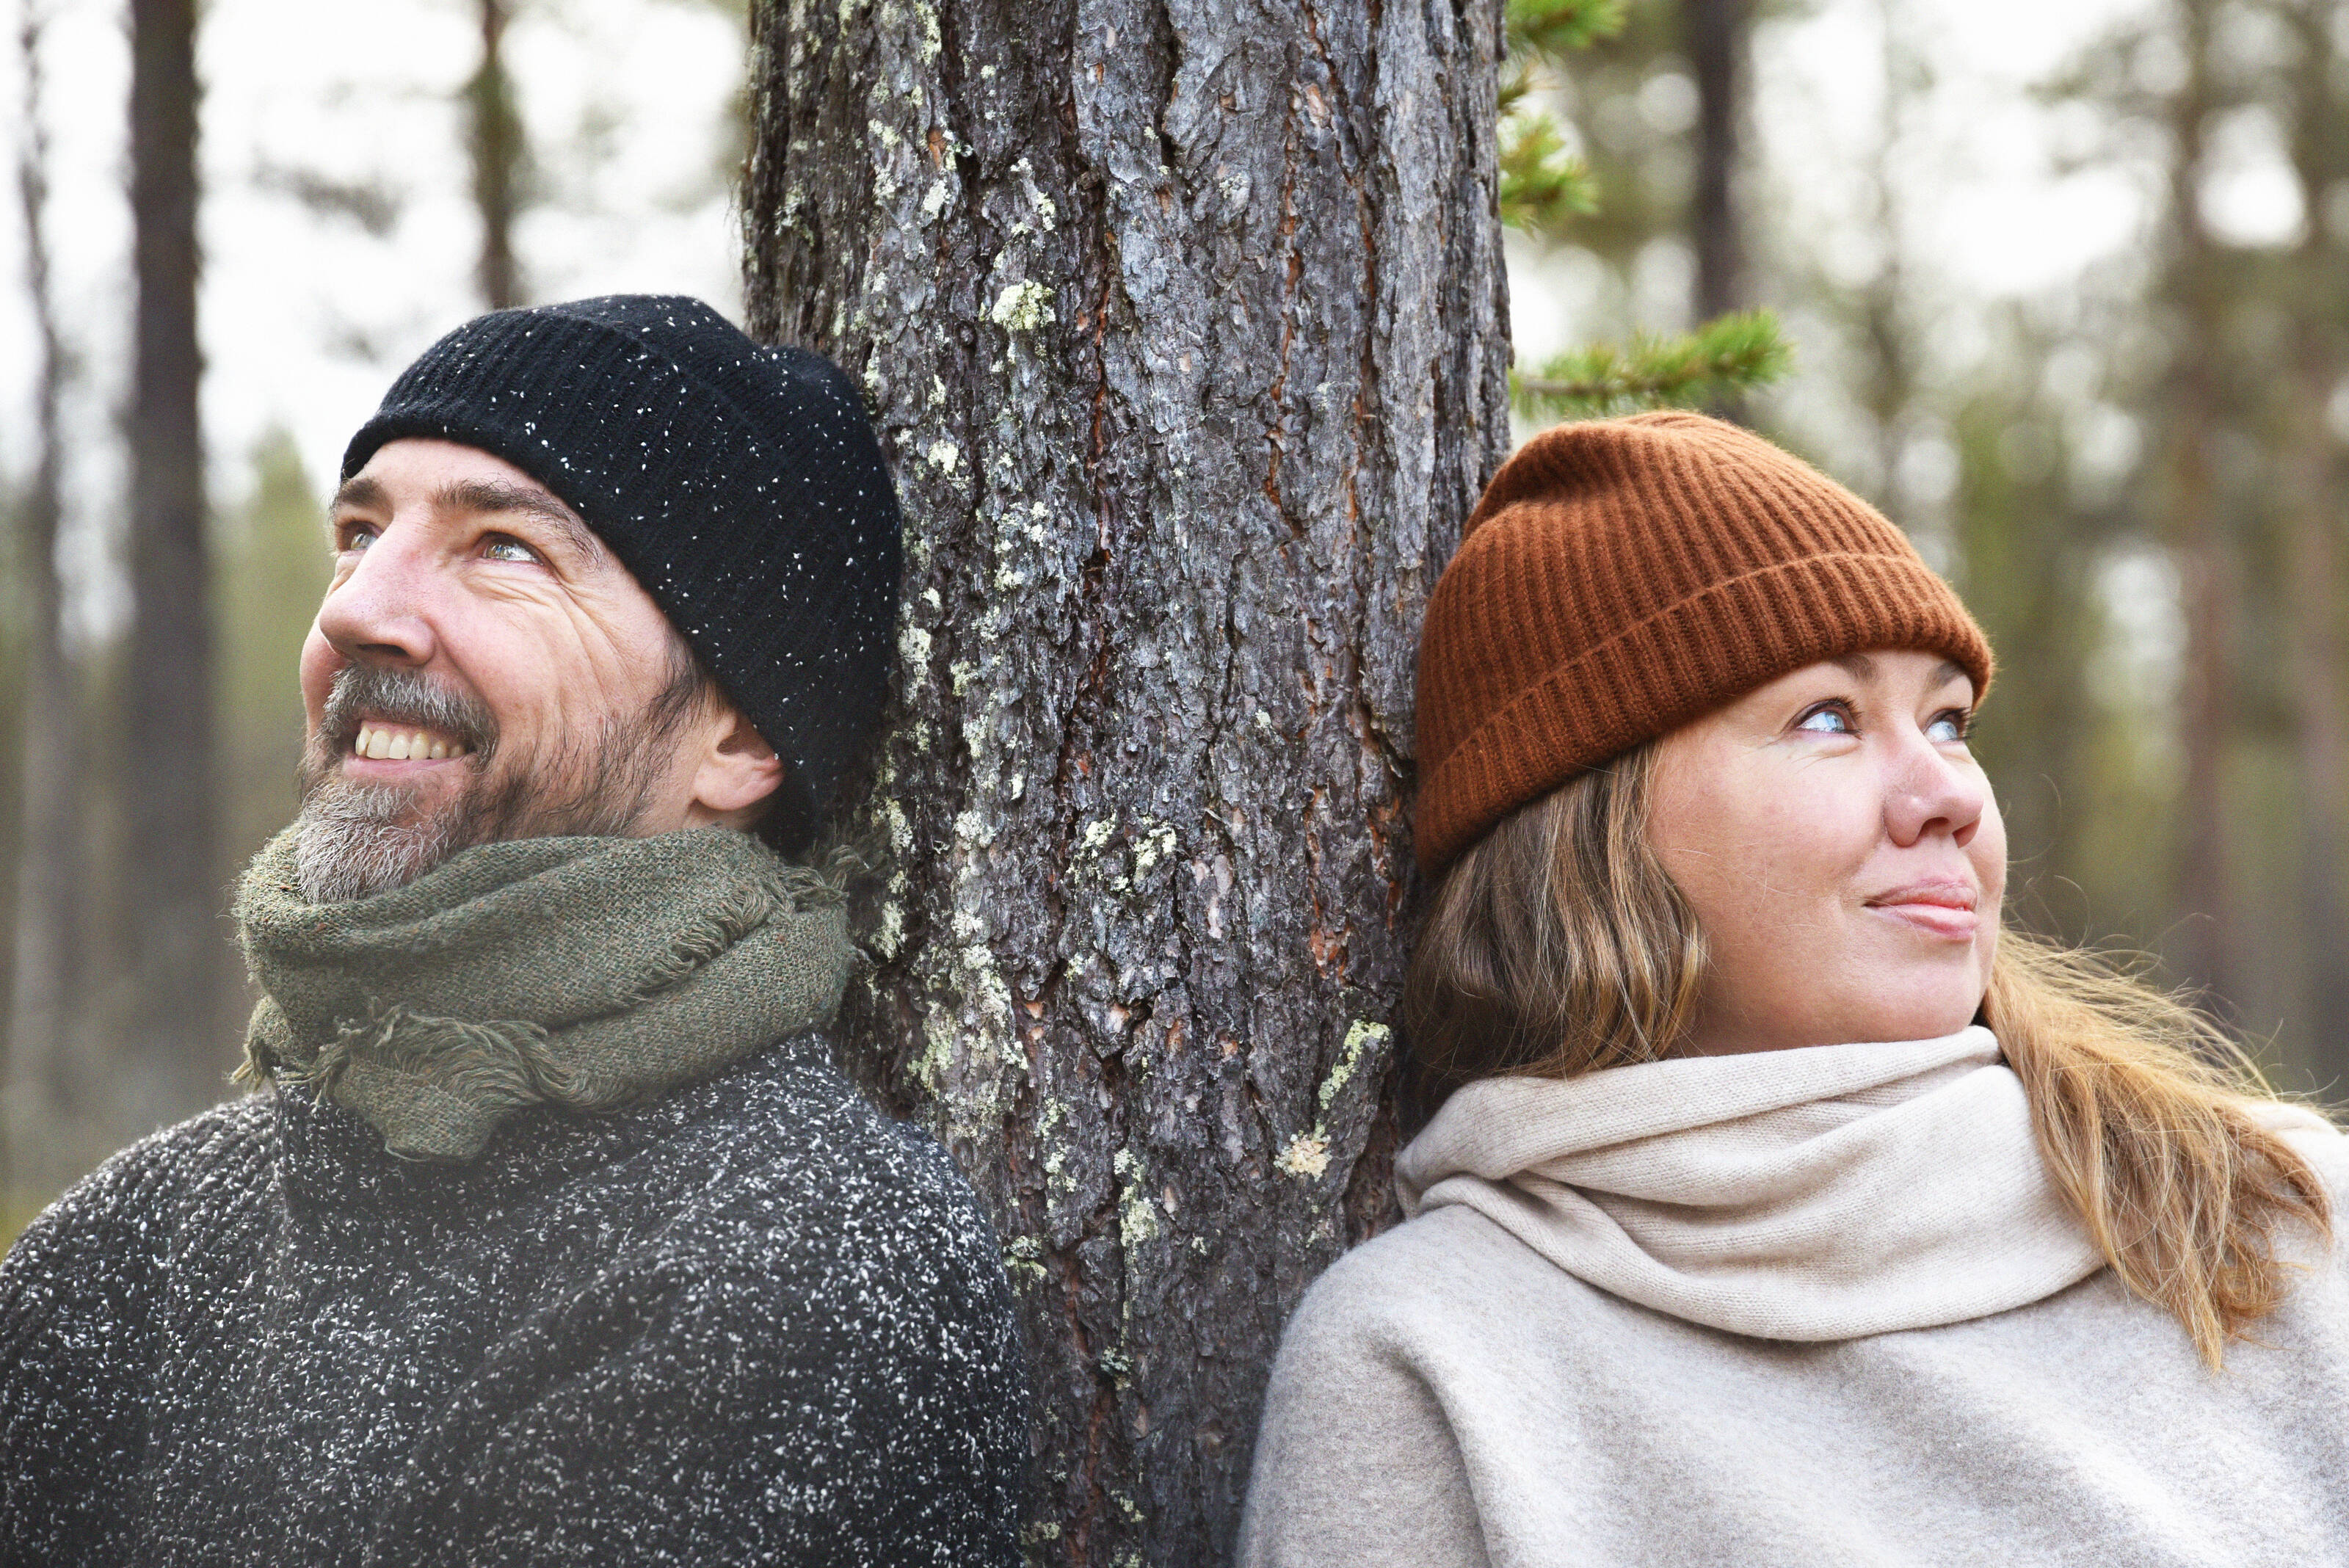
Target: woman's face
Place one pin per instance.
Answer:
(1842, 853)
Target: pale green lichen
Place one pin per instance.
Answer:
(1137, 1216)
(1307, 1155)
(914, 647)
(943, 455)
(1023, 1260)
(1022, 307)
(1154, 843)
(1360, 1037)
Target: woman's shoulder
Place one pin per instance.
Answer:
(2314, 1136)
(1448, 1272)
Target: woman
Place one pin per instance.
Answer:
(1778, 1209)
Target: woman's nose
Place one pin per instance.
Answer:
(1926, 792)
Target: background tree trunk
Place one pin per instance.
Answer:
(1186, 323)
(42, 1079)
(2194, 523)
(1714, 34)
(177, 1051)
(493, 139)
(2309, 470)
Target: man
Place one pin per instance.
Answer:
(557, 1237)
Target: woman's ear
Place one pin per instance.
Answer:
(737, 772)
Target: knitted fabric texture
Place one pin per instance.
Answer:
(1623, 577)
(585, 973)
(743, 487)
(1812, 1194)
(751, 1323)
(1448, 1395)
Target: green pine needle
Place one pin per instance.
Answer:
(1553, 28)
(1735, 352)
(1542, 184)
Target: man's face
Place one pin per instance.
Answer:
(483, 669)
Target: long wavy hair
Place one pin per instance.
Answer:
(1558, 945)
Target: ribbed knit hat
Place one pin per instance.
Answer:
(742, 486)
(1623, 577)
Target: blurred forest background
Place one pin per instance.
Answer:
(2063, 290)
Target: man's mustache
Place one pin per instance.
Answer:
(398, 696)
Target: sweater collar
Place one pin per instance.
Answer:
(1815, 1194)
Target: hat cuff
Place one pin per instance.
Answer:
(1679, 664)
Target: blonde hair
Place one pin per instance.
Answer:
(1558, 945)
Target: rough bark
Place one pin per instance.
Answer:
(494, 140)
(1187, 326)
(176, 1051)
(2196, 532)
(42, 1078)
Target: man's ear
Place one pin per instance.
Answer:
(737, 774)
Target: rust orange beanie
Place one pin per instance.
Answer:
(1623, 577)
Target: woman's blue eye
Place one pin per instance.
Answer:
(1827, 722)
(1947, 728)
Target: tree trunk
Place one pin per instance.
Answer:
(2311, 506)
(2197, 535)
(177, 1053)
(42, 1078)
(494, 138)
(1186, 325)
(1714, 34)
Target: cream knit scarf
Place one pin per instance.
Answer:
(585, 973)
(1815, 1194)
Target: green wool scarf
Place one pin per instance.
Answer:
(584, 973)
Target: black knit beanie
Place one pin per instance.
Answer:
(741, 485)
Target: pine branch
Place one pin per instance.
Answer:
(1542, 184)
(1727, 355)
(1553, 28)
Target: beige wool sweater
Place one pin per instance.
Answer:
(1805, 1307)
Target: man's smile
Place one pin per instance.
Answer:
(378, 741)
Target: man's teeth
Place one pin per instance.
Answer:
(400, 743)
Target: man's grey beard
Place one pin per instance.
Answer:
(355, 840)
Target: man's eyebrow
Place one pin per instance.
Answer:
(496, 495)
(359, 491)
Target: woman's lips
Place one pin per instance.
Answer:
(1939, 908)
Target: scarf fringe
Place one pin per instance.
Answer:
(507, 1063)
(749, 907)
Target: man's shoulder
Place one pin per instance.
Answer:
(789, 1156)
(216, 1159)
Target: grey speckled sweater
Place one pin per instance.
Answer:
(753, 1322)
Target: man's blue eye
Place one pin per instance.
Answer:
(508, 550)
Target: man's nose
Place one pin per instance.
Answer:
(382, 612)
